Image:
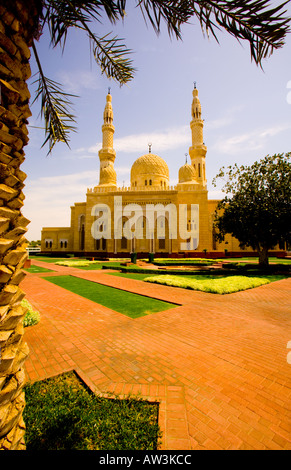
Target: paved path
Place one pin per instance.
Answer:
(217, 364)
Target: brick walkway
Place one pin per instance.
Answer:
(217, 364)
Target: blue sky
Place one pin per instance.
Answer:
(247, 111)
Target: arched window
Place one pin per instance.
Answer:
(146, 182)
(61, 244)
(150, 182)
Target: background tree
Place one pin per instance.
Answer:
(21, 26)
(257, 207)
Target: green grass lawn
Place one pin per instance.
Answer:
(62, 414)
(132, 305)
(137, 276)
(38, 269)
(214, 284)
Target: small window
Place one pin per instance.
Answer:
(61, 244)
(146, 182)
(150, 182)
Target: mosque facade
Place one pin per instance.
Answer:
(149, 216)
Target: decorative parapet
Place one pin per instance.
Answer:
(125, 189)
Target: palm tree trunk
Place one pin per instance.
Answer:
(18, 22)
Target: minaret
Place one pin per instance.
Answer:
(198, 150)
(107, 153)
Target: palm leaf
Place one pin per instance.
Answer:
(55, 108)
(109, 52)
(254, 21)
(264, 28)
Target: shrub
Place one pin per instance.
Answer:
(32, 316)
(76, 263)
(221, 285)
(184, 262)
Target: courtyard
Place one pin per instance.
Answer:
(217, 364)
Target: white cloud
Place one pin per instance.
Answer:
(124, 170)
(218, 123)
(48, 199)
(161, 141)
(215, 194)
(78, 81)
(254, 140)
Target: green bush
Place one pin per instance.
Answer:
(184, 262)
(77, 263)
(32, 316)
(221, 285)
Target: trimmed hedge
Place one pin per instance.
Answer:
(186, 262)
(223, 285)
(229, 270)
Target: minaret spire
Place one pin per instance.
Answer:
(107, 153)
(198, 150)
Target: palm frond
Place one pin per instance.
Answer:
(111, 55)
(173, 13)
(55, 108)
(109, 52)
(254, 21)
(61, 15)
(264, 28)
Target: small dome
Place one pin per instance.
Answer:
(149, 169)
(186, 173)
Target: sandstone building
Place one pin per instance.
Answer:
(187, 231)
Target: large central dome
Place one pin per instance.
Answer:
(149, 170)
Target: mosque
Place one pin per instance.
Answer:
(149, 216)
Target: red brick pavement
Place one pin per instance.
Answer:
(217, 364)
